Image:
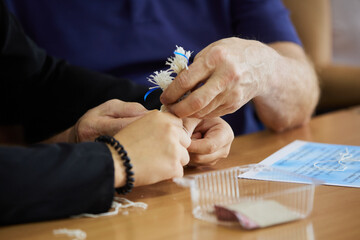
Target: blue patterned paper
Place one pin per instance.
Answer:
(332, 164)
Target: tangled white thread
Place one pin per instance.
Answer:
(117, 204)
(345, 157)
(77, 233)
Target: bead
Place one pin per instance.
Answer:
(126, 162)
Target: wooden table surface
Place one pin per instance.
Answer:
(336, 213)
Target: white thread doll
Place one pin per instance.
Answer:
(162, 79)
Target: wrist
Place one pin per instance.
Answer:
(119, 170)
(122, 154)
(266, 69)
(64, 136)
(72, 135)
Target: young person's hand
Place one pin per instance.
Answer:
(157, 146)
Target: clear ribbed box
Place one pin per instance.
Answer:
(254, 188)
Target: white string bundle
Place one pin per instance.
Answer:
(161, 79)
(117, 204)
(180, 61)
(77, 233)
(177, 63)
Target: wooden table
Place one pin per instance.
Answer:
(336, 213)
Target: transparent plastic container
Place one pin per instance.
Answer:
(244, 185)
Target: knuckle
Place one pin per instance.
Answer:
(211, 148)
(114, 101)
(213, 163)
(195, 158)
(217, 55)
(168, 128)
(136, 106)
(220, 85)
(236, 95)
(130, 106)
(199, 115)
(233, 72)
(234, 104)
(197, 103)
(183, 80)
(231, 109)
(179, 172)
(111, 102)
(109, 105)
(234, 107)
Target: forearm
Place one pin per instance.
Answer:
(291, 91)
(46, 182)
(68, 136)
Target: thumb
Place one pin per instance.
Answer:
(119, 109)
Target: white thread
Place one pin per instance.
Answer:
(179, 62)
(127, 203)
(77, 233)
(161, 79)
(116, 205)
(344, 158)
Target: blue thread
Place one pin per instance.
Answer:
(182, 55)
(150, 91)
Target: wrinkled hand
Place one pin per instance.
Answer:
(106, 119)
(232, 71)
(210, 141)
(157, 146)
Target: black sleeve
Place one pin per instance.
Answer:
(46, 182)
(46, 95)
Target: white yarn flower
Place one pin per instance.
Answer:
(161, 79)
(179, 61)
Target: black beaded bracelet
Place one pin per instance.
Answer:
(126, 162)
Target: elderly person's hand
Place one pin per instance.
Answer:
(230, 72)
(210, 140)
(106, 119)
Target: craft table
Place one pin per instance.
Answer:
(336, 213)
